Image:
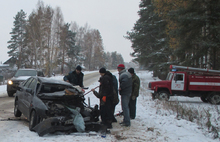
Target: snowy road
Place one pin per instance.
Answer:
(152, 124)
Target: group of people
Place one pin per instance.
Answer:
(128, 89)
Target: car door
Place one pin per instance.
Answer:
(178, 82)
(29, 94)
(21, 94)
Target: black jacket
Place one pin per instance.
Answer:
(74, 78)
(106, 86)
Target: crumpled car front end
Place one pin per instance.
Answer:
(67, 113)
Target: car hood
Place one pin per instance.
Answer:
(20, 78)
(59, 96)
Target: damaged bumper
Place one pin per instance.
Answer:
(55, 124)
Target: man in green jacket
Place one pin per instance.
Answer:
(134, 94)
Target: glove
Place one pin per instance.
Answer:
(104, 98)
(133, 97)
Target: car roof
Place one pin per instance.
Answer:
(52, 81)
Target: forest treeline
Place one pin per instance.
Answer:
(43, 40)
(180, 32)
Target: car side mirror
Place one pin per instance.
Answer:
(19, 88)
(29, 90)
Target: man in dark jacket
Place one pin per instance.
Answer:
(134, 94)
(75, 77)
(125, 89)
(106, 97)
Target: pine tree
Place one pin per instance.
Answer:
(16, 44)
(73, 51)
(149, 39)
(198, 33)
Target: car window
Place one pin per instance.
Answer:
(33, 84)
(27, 82)
(26, 73)
(40, 73)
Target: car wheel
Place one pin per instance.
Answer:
(163, 96)
(17, 112)
(204, 98)
(10, 93)
(33, 120)
(214, 98)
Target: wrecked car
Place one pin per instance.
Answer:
(54, 105)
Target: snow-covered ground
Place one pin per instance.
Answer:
(153, 123)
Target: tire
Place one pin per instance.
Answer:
(163, 96)
(17, 112)
(204, 98)
(214, 98)
(10, 93)
(33, 120)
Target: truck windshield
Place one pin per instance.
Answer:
(26, 73)
(169, 76)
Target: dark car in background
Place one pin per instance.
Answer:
(21, 75)
(54, 105)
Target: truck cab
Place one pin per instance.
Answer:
(175, 83)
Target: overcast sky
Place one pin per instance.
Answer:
(113, 18)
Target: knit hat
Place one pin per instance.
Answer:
(102, 70)
(131, 70)
(79, 68)
(121, 66)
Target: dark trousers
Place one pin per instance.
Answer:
(132, 108)
(113, 112)
(106, 112)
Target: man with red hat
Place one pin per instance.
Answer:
(125, 90)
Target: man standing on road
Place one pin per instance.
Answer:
(106, 97)
(125, 89)
(134, 94)
(75, 77)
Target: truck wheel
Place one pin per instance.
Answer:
(204, 98)
(163, 96)
(214, 98)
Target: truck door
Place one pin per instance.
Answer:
(178, 82)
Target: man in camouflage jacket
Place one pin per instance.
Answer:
(134, 94)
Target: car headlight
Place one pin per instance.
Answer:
(10, 82)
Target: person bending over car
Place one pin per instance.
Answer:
(75, 77)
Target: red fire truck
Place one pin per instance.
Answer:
(189, 82)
